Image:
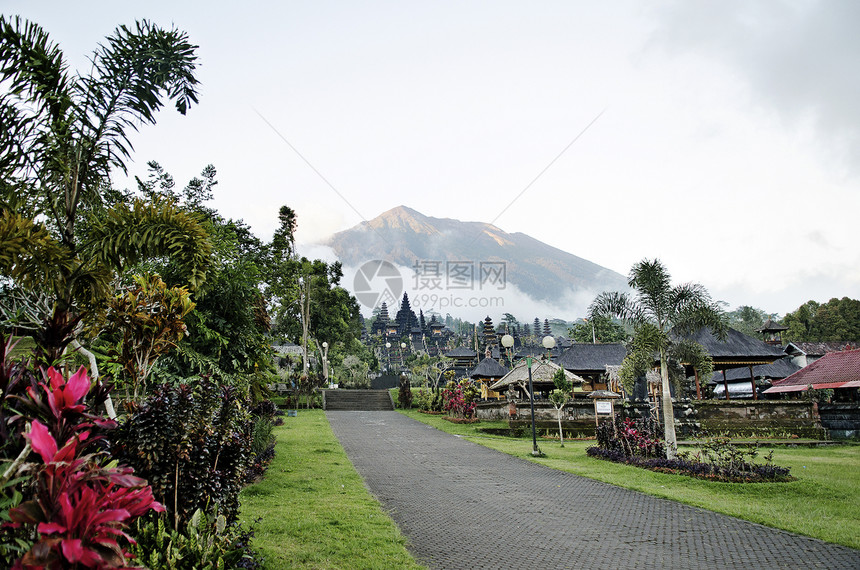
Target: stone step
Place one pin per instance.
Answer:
(358, 400)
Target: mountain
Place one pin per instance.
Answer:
(408, 238)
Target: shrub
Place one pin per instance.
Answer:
(639, 442)
(404, 395)
(204, 543)
(193, 444)
(642, 436)
(424, 400)
(77, 510)
(458, 398)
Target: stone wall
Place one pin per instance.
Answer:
(841, 419)
(763, 418)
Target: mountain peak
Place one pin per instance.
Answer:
(403, 218)
(408, 238)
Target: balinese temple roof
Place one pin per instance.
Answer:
(770, 326)
(583, 358)
(542, 373)
(737, 349)
(488, 368)
(778, 370)
(461, 352)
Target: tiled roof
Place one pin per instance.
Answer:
(833, 370)
(818, 348)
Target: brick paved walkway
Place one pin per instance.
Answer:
(462, 506)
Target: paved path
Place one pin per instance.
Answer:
(463, 506)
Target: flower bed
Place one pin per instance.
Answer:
(745, 473)
(454, 420)
(640, 443)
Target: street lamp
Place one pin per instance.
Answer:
(325, 361)
(535, 450)
(508, 343)
(548, 343)
(388, 354)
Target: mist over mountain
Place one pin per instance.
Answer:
(443, 250)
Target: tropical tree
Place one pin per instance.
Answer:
(560, 397)
(658, 309)
(147, 320)
(62, 134)
(598, 329)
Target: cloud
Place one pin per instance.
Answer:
(799, 58)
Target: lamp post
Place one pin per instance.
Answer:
(402, 349)
(548, 343)
(535, 450)
(508, 343)
(325, 361)
(388, 354)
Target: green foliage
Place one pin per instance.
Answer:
(205, 543)
(62, 135)
(192, 444)
(748, 320)
(601, 328)
(658, 311)
(404, 394)
(147, 321)
(835, 320)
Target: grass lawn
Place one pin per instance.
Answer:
(823, 503)
(315, 511)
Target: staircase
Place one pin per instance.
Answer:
(363, 400)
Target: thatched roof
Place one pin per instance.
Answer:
(592, 358)
(542, 373)
(737, 349)
(461, 352)
(778, 370)
(770, 326)
(488, 368)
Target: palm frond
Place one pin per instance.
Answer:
(132, 75)
(619, 305)
(130, 234)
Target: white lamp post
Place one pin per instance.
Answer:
(388, 354)
(325, 361)
(548, 343)
(508, 343)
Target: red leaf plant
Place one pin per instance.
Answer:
(79, 508)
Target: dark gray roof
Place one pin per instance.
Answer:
(818, 348)
(461, 352)
(769, 326)
(736, 348)
(488, 368)
(592, 358)
(778, 370)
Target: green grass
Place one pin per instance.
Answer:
(315, 511)
(824, 501)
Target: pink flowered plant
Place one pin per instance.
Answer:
(79, 508)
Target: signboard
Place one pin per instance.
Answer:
(603, 407)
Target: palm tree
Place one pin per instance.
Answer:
(655, 310)
(61, 233)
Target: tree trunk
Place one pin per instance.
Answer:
(94, 375)
(560, 432)
(305, 310)
(668, 410)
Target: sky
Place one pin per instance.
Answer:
(722, 137)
